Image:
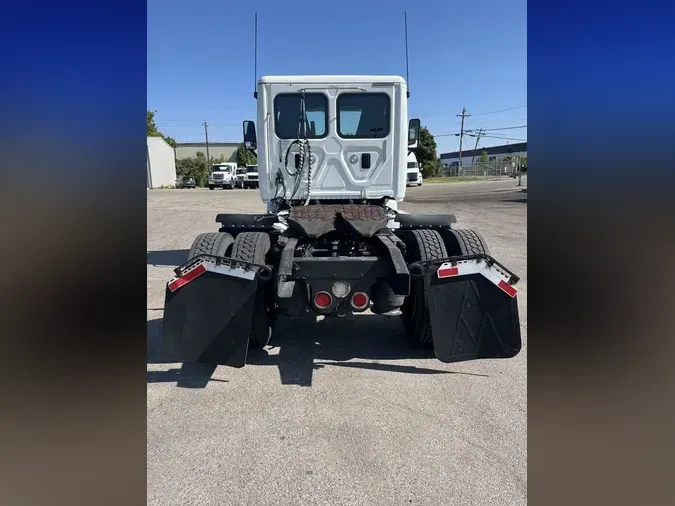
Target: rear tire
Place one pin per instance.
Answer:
(211, 243)
(253, 247)
(421, 245)
(464, 242)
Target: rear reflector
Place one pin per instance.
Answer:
(478, 266)
(199, 268)
(176, 283)
(322, 300)
(507, 288)
(447, 271)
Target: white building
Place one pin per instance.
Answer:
(161, 163)
(494, 153)
(228, 150)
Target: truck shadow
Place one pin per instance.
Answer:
(170, 258)
(189, 375)
(299, 347)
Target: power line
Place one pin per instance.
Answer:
(500, 110)
(449, 113)
(502, 138)
(456, 134)
(447, 135)
(193, 122)
(502, 128)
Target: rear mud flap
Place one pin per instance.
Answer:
(473, 308)
(208, 311)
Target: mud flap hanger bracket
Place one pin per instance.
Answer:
(219, 265)
(467, 265)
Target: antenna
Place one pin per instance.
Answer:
(255, 59)
(407, 73)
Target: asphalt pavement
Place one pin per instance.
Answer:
(339, 412)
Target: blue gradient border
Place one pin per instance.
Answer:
(600, 81)
(77, 82)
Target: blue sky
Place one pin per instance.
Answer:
(462, 54)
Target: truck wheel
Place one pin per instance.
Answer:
(211, 187)
(421, 245)
(253, 247)
(464, 242)
(211, 243)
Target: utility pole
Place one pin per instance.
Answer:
(206, 133)
(461, 135)
(480, 134)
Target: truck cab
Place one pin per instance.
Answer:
(352, 143)
(223, 175)
(251, 177)
(413, 173)
(240, 176)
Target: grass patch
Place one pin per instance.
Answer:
(461, 179)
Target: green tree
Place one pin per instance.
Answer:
(153, 131)
(426, 154)
(245, 157)
(483, 157)
(197, 167)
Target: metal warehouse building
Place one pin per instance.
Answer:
(494, 153)
(189, 149)
(161, 163)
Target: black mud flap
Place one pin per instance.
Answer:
(473, 308)
(208, 311)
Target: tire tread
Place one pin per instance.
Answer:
(210, 243)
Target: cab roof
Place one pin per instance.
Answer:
(330, 79)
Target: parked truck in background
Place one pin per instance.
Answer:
(223, 175)
(251, 177)
(413, 173)
(240, 176)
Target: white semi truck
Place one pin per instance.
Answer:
(251, 177)
(223, 175)
(332, 157)
(413, 172)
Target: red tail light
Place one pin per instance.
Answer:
(360, 300)
(322, 300)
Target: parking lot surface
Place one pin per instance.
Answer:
(339, 412)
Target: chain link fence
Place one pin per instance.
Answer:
(492, 169)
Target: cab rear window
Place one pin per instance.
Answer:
(287, 115)
(363, 115)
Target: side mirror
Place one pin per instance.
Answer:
(250, 138)
(413, 133)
